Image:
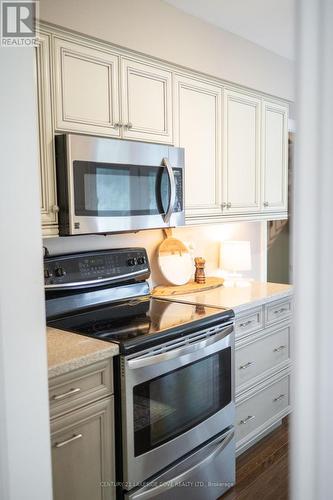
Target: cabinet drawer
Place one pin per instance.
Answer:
(278, 311)
(249, 322)
(262, 407)
(256, 357)
(82, 386)
(82, 453)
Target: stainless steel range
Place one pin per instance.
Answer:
(174, 375)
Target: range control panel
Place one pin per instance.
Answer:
(96, 268)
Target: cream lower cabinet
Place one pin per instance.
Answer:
(241, 146)
(262, 370)
(198, 130)
(82, 434)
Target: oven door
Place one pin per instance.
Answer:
(121, 186)
(174, 401)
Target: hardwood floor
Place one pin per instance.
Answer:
(262, 472)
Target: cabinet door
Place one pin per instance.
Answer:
(198, 130)
(275, 157)
(82, 453)
(86, 89)
(49, 208)
(241, 167)
(146, 102)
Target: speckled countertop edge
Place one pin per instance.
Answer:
(68, 351)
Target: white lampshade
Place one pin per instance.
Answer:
(236, 256)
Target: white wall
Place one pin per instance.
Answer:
(25, 466)
(205, 241)
(159, 29)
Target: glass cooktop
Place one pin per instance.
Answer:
(142, 322)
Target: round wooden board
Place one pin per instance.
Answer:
(192, 286)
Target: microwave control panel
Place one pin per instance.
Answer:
(98, 267)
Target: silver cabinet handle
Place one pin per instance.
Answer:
(55, 208)
(172, 199)
(247, 419)
(71, 392)
(229, 205)
(280, 348)
(246, 323)
(247, 365)
(224, 205)
(129, 125)
(278, 398)
(117, 125)
(266, 204)
(279, 311)
(67, 441)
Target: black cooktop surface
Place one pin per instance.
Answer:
(142, 322)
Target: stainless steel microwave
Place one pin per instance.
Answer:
(109, 185)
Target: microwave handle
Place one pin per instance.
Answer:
(172, 199)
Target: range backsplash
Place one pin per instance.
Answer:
(204, 241)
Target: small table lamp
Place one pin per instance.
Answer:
(235, 256)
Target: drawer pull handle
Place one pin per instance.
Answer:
(66, 394)
(278, 398)
(67, 441)
(247, 365)
(247, 419)
(279, 311)
(246, 323)
(280, 348)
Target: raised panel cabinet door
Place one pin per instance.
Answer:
(275, 157)
(241, 146)
(146, 102)
(83, 453)
(86, 89)
(48, 194)
(198, 130)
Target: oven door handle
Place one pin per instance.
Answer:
(165, 163)
(155, 359)
(172, 482)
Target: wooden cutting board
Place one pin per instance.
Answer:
(192, 286)
(174, 260)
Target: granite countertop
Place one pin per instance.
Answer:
(68, 351)
(237, 298)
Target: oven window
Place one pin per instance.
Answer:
(108, 190)
(173, 403)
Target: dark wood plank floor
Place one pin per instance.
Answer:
(262, 472)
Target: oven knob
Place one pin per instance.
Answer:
(131, 262)
(46, 273)
(141, 260)
(59, 271)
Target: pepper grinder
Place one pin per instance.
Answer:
(199, 276)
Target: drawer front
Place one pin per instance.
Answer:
(249, 322)
(266, 353)
(262, 407)
(85, 385)
(278, 311)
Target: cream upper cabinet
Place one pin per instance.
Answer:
(274, 157)
(198, 129)
(86, 87)
(241, 146)
(146, 102)
(49, 208)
